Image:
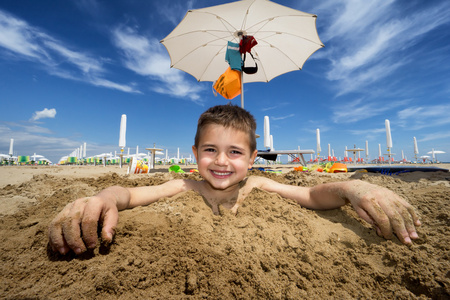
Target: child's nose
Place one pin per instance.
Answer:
(221, 159)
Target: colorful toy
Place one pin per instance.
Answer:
(301, 169)
(338, 168)
(176, 169)
(317, 168)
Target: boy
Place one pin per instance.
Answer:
(225, 148)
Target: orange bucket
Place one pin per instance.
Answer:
(137, 167)
(338, 168)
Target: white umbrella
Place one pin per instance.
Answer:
(37, 156)
(379, 152)
(122, 136)
(434, 152)
(123, 132)
(286, 39)
(416, 149)
(367, 149)
(11, 147)
(318, 141)
(140, 154)
(388, 134)
(266, 132)
(425, 157)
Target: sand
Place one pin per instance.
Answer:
(178, 249)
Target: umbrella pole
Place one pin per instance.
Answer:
(240, 35)
(242, 89)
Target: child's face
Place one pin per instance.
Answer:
(223, 156)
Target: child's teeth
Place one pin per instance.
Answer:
(221, 173)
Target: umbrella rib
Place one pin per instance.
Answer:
(284, 54)
(195, 49)
(300, 37)
(196, 31)
(222, 20)
(266, 21)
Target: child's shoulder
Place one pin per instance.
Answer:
(253, 181)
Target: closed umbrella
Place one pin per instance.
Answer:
(379, 152)
(122, 136)
(285, 37)
(367, 150)
(416, 149)
(318, 141)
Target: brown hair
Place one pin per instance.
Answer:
(228, 116)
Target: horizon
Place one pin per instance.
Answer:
(72, 68)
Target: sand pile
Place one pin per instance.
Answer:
(176, 248)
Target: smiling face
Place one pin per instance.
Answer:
(223, 156)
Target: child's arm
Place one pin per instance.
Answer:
(75, 227)
(379, 206)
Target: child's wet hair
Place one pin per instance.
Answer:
(229, 116)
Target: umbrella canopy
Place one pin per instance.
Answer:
(286, 39)
(436, 152)
(37, 157)
(104, 155)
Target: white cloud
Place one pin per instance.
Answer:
(173, 11)
(278, 105)
(146, 56)
(46, 113)
(367, 41)
(435, 136)
(283, 117)
(17, 36)
(419, 117)
(362, 109)
(25, 42)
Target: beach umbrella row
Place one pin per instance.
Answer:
(389, 145)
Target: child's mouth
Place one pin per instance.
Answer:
(221, 174)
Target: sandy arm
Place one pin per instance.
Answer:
(386, 211)
(324, 196)
(75, 227)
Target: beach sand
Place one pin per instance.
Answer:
(177, 249)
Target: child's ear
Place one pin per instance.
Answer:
(195, 151)
(252, 159)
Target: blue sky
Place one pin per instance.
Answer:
(70, 69)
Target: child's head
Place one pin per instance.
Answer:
(229, 116)
(225, 146)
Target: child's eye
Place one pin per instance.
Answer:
(209, 150)
(236, 152)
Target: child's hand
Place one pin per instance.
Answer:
(75, 227)
(387, 211)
